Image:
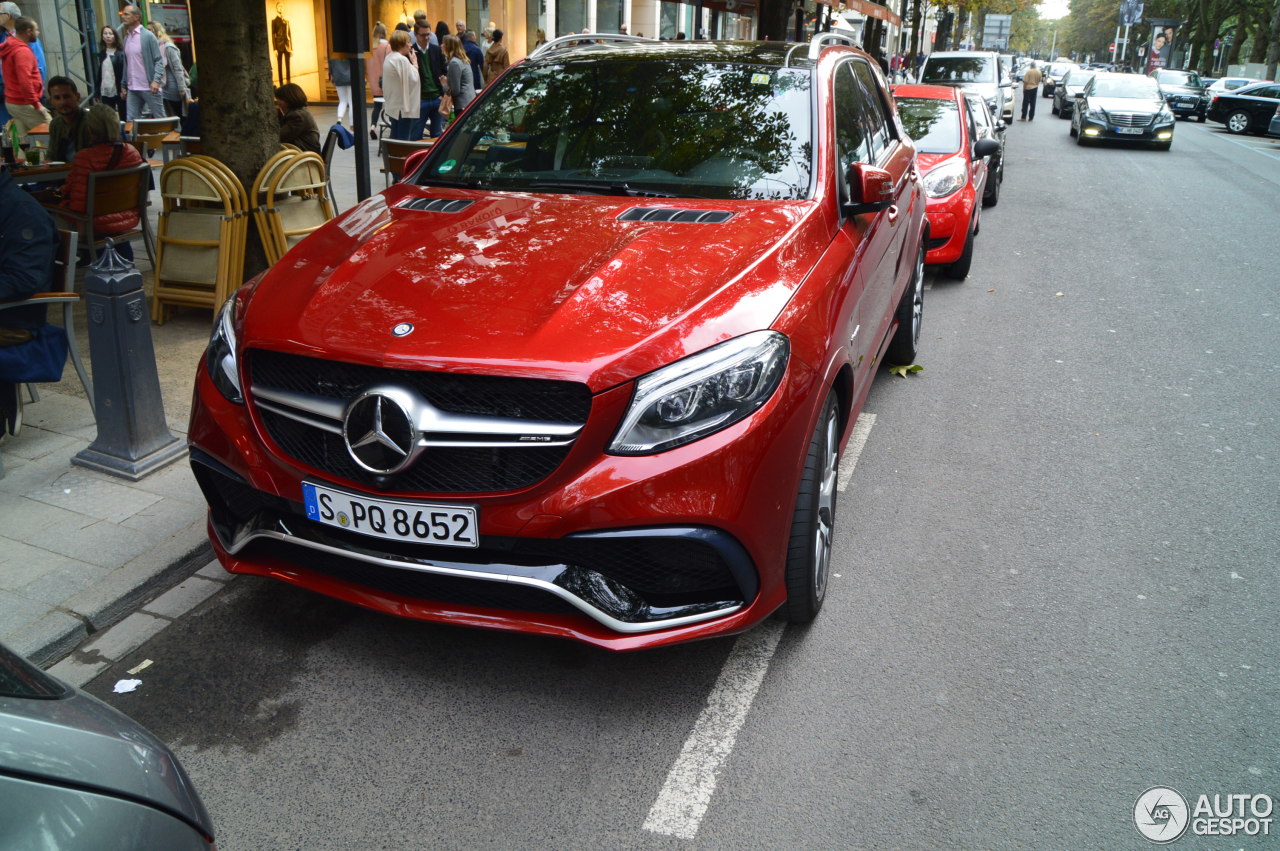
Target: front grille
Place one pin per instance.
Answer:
(1131, 119)
(438, 469)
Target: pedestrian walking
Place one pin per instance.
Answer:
(175, 89)
(373, 73)
(1030, 92)
(401, 87)
(340, 76)
(111, 72)
(462, 87)
(143, 67)
(496, 58)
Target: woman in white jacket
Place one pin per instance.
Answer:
(401, 87)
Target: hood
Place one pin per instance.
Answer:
(1181, 90)
(1126, 104)
(531, 284)
(78, 741)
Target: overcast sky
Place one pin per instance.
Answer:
(1053, 9)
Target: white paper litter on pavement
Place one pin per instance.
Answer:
(123, 686)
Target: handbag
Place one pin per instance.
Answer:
(40, 359)
(446, 104)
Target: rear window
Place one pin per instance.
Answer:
(1180, 78)
(958, 69)
(933, 124)
(648, 126)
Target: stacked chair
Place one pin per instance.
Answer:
(291, 198)
(201, 234)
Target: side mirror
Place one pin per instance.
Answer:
(414, 160)
(870, 189)
(985, 148)
(1001, 126)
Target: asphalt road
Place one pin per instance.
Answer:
(1057, 587)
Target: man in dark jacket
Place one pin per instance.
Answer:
(67, 129)
(28, 244)
(476, 56)
(431, 72)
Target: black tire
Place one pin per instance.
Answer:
(813, 521)
(991, 193)
(1202, 119)
(1054, 109)
(1238, 122)
(910, 315)
(1064, 114)
(1081, 140)
(1071, 131)
(959, 270)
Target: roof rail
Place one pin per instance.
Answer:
(601, 38)
(817, 43)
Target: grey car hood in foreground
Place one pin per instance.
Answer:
(76, 747)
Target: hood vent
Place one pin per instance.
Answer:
(674, 214)
(436, 205)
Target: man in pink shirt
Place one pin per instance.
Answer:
(143, 67)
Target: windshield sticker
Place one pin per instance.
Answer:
(760, 79)
(447, 165)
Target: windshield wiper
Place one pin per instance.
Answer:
(598, 188)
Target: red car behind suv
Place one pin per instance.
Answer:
(587, 370)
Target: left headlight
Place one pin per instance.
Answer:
(702, 394)
(220, 357)
(945, 179)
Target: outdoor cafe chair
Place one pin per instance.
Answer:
(110, 192)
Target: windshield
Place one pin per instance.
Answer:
(658, 127)
(1181, 78)
(1125, 86)
(933, 124)
(1077, 79)
(958, 69)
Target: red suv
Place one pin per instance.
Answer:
(587, 370)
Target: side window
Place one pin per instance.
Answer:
(876, 117)
(851, 136)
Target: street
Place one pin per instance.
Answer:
(1055, 588)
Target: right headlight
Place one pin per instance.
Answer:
(702, 394)
(220, 357)
(945, 179)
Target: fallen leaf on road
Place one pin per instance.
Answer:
(902, 370)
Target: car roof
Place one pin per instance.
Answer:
(951, 54)
(766, 53)
(1244, 90)
(919, 90)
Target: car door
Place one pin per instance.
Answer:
(1261, 103)
(887, 229)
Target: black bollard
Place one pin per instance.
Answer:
(133, 437)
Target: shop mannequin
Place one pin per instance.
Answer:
(282, 44)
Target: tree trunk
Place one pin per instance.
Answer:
(238, 123)
(958, 36)
(1273, 49)
(916, 20)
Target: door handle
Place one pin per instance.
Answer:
(892, 213)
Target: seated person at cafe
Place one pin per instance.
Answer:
(67, 129)
(28, 244)
(105, 152)
(297, 125)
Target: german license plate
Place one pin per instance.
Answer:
(417, 522)
(1186, 103)
(1129, 131)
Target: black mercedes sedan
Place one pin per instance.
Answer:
(1122, 107)
(1247, 109)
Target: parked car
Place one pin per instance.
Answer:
(989, 127)
(77, 775)
(1053, 74)
(976, 70)
(587, 370)
(1122, 107)
(1066, 92)
(953, 164)
(1273, 129)
(1183, 91)
(1247, 109)
(1222, 85)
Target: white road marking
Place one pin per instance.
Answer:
(1244, 144)
(686, 794)
(857, 440)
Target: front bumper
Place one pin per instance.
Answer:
(622, 553)
(1188, 105)
(1094, 129)
(948, 229)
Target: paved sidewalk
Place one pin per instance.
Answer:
(81, 550)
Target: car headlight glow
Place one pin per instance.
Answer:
(702, 394)
(220, 357)
(945, 179)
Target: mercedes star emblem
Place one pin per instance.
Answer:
(404, 329)
(380, 433)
